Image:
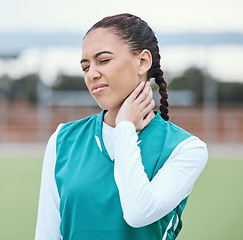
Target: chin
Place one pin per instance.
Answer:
(108, 105)
(103, 105)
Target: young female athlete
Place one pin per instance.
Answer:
(126, 173)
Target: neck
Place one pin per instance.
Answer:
(110, 117)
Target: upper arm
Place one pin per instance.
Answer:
(179, 173)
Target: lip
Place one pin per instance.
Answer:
(98, 88)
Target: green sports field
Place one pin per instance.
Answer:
(214, 210)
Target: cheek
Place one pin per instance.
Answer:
(124, 88)
(87, 83)
(127, 76)
(129, 82)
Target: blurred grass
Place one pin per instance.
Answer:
(19, 187)
(213, 211)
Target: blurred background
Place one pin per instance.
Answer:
(41, 85)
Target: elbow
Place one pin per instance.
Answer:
(133, 219)
(134, 215)
(143, 209)
(205, 155)
(140, 215)
(201, 154)
(137, 219)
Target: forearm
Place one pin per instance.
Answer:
(144, 202)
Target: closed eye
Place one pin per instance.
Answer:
(104, 61)
(85, 69)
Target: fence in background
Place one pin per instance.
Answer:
(22, 123)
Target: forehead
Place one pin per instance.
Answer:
(102, 40)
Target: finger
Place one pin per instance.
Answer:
(136, 92)
(144, 94)
(143, 105)
(148, 108)
(150, 96)
(144, 100)
(146, 120)
(151, 92)
(149, 116)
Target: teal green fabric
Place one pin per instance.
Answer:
(90, 207)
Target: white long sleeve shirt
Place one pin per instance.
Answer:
(143, 201)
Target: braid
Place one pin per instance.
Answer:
(139, 36)
(164, 94)
(157, 73)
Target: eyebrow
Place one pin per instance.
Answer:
(97, 55)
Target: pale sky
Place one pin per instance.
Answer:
(162, 15)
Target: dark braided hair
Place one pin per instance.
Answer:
(139, 36)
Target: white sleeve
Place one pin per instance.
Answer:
(48, 218)
(144, 202)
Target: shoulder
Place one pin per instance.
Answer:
(77, 124)
(165, 132)
(192, 150)
(169, 127)
(75, 127)
(192, 142)
(79, 130)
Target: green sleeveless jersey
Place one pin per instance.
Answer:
(90, 206)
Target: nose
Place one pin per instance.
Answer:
(93, 73)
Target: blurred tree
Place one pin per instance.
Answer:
(23, 89)
(5, 87)
(68, 83)
(192, 79)
(230, 92)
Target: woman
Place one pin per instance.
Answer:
(125, 173)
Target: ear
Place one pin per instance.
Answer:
(145, 62)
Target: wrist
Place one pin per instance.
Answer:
(125, 123)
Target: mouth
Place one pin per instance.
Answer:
(98, 88)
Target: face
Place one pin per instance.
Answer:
(110, 68)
